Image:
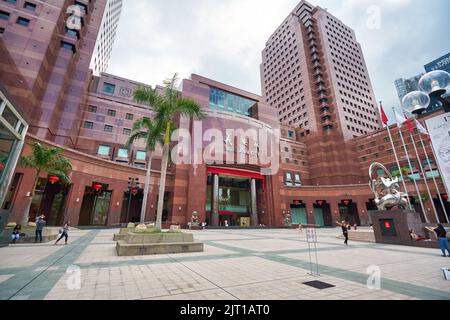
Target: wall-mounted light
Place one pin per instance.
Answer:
(117, 204)
(28, 194)
(179, 208)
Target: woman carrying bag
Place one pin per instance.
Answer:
(64, 232)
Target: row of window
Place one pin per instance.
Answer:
(105, 151)
(110, 112)
(107, 128)
(20, 20)
(292, 180)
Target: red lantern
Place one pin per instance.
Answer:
(2, 166)
(387, 225)
(320, 203)
(445, 197)
(134, 191)
(53, 179)
(346, 202)
(97, 187)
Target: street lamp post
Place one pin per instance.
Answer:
(133, 188)
(435, 84)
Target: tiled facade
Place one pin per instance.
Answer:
(323, 171)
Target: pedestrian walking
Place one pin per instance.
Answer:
(344, 226)
(40, 224)
(16, 233)
(64, 232)
(441, 234)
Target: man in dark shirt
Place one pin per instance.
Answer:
(40, 224)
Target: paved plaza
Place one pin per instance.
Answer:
(236, 265)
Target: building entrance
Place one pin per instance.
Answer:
(95, 207)
(232, 198)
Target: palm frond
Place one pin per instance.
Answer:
(190, 108)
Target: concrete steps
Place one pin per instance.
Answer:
(360, 236)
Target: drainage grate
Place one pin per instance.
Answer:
(319, 285)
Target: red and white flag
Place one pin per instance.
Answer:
(410, 124)
(421, 128)
(401, 120)
(384, 117)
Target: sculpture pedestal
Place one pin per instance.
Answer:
(393, 227)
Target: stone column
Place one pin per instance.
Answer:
(215, 203)
(254, 207)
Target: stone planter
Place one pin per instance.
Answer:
(135, 244)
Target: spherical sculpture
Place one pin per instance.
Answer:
(435, 82)
(416, 102)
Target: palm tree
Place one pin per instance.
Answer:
(167, 105)
(152, 133)
(50, 160)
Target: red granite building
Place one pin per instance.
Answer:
(312, 175)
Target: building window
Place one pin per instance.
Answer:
(88, 125)
(291, 134)
(109, 88)
(4, 15)
(298, 182)
(29, 6)
(129, 116)
(123, 153)
(68, 46)
(108, 128)
(103, 150)
(288, 177)
(127, 132)
(111, 113)
(23, 22)
(141, 155)
(92, 109)
(73, 33)
(222, 100)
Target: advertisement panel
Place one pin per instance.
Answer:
(439, 130)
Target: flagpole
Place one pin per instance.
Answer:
(424, 177)
(386, 122)
(434, 178)
(411, 168)
(399, 167)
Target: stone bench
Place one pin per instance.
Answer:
(48, 235)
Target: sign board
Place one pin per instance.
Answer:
(388, 228)
(443, 63)
(311, 235)
(439, 130)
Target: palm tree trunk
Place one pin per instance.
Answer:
(162, 186)
(26, 215)
(147, 187)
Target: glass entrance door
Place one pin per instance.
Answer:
(101, 209)
(299, 215)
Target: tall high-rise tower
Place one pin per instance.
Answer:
(106, 36)
(313, 71)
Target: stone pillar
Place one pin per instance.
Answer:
(215, 204)
(254, 206)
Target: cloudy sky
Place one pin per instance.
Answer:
(223, 39)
